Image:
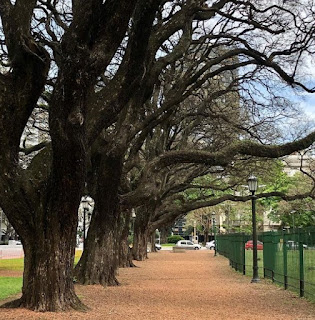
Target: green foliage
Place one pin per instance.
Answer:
(278, 181)
(9, 286)
(130, 239)
(297, 213)
(189, 230)
(174, 238)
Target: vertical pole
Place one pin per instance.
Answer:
(285, 262)
(255, 261)
(301, 266)
(0, 224)
(243, 250)
(215, 238)
(84, 217)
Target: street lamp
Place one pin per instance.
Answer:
(214, 233)
(85, 206)
(252, 186)
(0, 224)
(133, 218)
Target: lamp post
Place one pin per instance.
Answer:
(214, 234)
(133, 218)
(293, 218)
(85, 206)
(0, 225)
(252, 186)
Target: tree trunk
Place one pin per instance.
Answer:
(100, 259)
(49, 247)
(125, 254)
(152, 241)
(206, 238)
(140, 243)
(164, 233)
(48, 281)
(141, 234)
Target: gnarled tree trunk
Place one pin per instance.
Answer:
(164, 233)
(125, 254)
(46, 222)
(48, 281)
(141, 233)
(100, 259)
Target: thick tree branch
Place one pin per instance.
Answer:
(226, 155)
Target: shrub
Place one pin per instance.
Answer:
(174, 238)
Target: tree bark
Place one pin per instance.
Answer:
(125, 254)
(141, 234)
(47, 279)
(165, 232)
(140, 243)
(100, 259)
(152, 242)
(206, 233)
(48, 233)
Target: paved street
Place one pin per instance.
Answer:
(11, 251)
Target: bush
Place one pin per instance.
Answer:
(174, 239)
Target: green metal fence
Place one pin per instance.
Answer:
(287, 258)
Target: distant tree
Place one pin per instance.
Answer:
(296, 213)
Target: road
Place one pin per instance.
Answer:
(11, 251)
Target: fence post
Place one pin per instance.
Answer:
(243, 248)
(301, 266)
(285, 262)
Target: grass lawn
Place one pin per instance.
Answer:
(168, 245)
(77, 256)
(249, 262)
(12, 264)
(293, 269)
(18, 264)
(10, 286)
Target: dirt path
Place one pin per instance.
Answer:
(191, 285)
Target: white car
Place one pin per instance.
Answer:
(210, 245)
(295, 245)
(186, 244)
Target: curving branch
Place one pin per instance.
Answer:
(227, 154)
(170, 212)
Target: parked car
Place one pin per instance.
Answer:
(157, 247)
(295, 245)
(186, 244)
(210, 245)
(249, 245)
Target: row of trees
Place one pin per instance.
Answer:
(142, 97)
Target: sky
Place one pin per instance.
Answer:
(308, 105)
